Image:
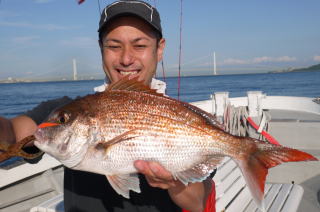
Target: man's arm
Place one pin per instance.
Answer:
(15, 129)
(192, 197)
(12, 131)
(23, 126)
(7, 135)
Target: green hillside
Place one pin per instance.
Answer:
(310, 68)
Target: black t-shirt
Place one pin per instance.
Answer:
(89, 192)
(84, 192)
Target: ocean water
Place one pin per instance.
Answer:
(16, 98)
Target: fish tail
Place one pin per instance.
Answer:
(264, 156)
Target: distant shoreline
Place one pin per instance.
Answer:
(314, 68)
(159, 77)
(41, 81)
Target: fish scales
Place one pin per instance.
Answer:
(157, 144)
(161, 106)
(106, 132)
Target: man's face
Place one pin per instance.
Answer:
(129, 47)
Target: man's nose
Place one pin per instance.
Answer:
(127, 57)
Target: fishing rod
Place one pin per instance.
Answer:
(99, 7)
(180, 51)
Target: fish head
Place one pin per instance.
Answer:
(66, 133)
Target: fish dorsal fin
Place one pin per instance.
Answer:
(210, 118)
(126, 84)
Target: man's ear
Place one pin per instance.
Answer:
(161, 46)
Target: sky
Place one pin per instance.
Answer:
(40, 38)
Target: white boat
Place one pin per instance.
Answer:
(295, 122)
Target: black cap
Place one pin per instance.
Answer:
(137, 8)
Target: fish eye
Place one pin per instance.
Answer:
(63, 118)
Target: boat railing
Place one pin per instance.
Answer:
(256, 101)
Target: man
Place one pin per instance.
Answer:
(131, 43)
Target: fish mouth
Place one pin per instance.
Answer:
(32, 149)
(40, 138)
(28, 146)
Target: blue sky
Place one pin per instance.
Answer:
(39, 38)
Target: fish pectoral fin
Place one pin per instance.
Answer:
(199, 172)
(123, 137)
(122, 184)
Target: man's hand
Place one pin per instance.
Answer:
(11, 131)
(191, 197)
(157, 175)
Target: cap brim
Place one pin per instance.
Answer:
(126, 13)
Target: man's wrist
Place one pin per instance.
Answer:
(7, 135)
(178, 188)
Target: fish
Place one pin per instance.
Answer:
(106, 132)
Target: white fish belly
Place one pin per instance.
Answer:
(176, 155)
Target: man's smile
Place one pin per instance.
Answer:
(128, 72)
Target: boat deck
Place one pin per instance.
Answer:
(299, 130)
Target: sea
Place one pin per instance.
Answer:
(16, 98)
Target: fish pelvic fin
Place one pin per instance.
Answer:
(265, 155)
(122, 184)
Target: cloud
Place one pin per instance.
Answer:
(258, 60)
(24, 39)
(80, 42)
(261, 59)
(273, 59)
(232, 61)
(48, 27)
(316, 58)
(285, 59)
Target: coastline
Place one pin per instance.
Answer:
(12, 80)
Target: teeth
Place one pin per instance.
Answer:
(128, 72)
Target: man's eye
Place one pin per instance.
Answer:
(112, 47)
(140, 46)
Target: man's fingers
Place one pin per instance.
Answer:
(160, 184)
(156, 175)
(160, 172)
(143, 168)
(153, 170)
